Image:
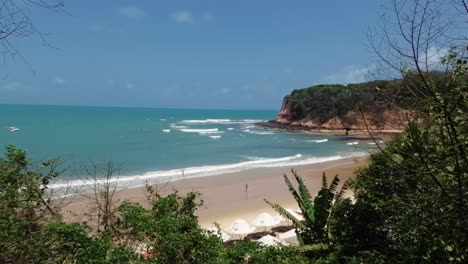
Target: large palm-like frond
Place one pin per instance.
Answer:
(308, 207)
(281, 211)
(312, 231)
(342, 191)
(324, 181)
(334, 183)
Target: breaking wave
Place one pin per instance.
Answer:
(201, 131)
(317, 140)
(155, 177)
(221, 121)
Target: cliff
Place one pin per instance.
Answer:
(388, 120)
(373, 105)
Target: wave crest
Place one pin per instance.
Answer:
(203, 171)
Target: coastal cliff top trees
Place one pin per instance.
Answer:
(321, 103)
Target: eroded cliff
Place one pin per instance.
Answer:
(387, 120)
(371, 105)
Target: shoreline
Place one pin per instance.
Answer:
(226, 196)
(172, 175)
(353, 133)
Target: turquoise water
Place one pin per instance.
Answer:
(160, 143)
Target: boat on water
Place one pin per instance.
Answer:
(13, 129)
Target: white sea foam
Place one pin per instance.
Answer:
(221, 121)
(371, 143)
(215, 137)
(230, 128)
(203, 171)
(192, 130)
(206, 131)
(207, 121)
(260, 132)
(176, 126)
(317, 140)
(166, 130)
(352, 143)
(256, 132)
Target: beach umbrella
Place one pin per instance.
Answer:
(219, 233)
(265, 220)
(291, 233)
(269, 240)
(240, 227)
(289, 237)
(279, 218)
(296, 214)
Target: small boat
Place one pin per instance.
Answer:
(13, 129)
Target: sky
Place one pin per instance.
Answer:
(241, 54)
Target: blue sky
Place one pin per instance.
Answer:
(240, 54)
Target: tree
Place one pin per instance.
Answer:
(102, 181)
(23, 207)
(415, 191)
(169, 230)
(16, 23)
(317, 212)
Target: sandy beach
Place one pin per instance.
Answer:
(226, 197)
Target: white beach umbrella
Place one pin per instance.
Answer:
(265, 220)
(291, 233)
(279, 218)
(240, 227)
(218, 232)
(269, 240)
(295, 214)
(289, 237)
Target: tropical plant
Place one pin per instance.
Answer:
(23, 207)
(313, 230)
(168, 231)
(249, 252)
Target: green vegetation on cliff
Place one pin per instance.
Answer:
(321, 103)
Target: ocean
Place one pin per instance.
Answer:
(154, 145)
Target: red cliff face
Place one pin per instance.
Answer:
(389, 120)
(285, 114)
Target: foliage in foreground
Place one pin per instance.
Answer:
(31, 229)
(315, 211)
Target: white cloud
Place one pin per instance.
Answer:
(13, 86)
(59, 80)
(208, 17)
(433, 56)
(131, 11)
(183, 17)
(350, 74)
